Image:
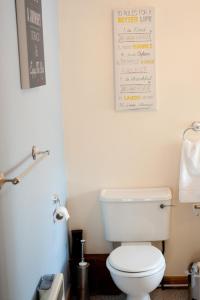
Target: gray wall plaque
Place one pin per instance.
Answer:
(30, 40)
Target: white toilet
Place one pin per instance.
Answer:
(135, 217)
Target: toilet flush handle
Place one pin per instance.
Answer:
(166, 205)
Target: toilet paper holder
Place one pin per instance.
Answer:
(60, 212)
(56, 201)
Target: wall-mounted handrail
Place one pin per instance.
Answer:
(37, 156)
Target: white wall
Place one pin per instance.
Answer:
(105, 148)
(30, 244)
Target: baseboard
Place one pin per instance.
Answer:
(175, 280)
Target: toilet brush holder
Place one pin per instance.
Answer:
(82, 282)
(82, 276)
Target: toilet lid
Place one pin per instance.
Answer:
(137, 258)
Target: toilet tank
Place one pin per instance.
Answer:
(136, 215)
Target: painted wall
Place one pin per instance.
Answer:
(30, 244)
(105, 148)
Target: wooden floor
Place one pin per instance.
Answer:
(170, 294)
(167, 294)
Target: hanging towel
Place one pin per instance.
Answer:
(189, 182)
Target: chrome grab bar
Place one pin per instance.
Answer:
(34, 153)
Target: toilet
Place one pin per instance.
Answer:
(135, 218)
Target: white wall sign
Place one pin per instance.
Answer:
(134, 59)
(30, 39)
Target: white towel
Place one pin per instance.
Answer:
(189, 182)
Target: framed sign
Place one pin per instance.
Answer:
(30, 41)
(134, 59)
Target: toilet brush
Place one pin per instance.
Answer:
(82, 262)
(82, 272)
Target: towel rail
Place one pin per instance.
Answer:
(195, 127)
(37, 155)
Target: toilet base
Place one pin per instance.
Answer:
(146, 297)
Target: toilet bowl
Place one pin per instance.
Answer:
(136, 270)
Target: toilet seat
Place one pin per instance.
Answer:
(136, 260)
(134, 275)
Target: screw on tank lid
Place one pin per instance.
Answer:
(136, 258)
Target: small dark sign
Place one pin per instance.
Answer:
(30, 39)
